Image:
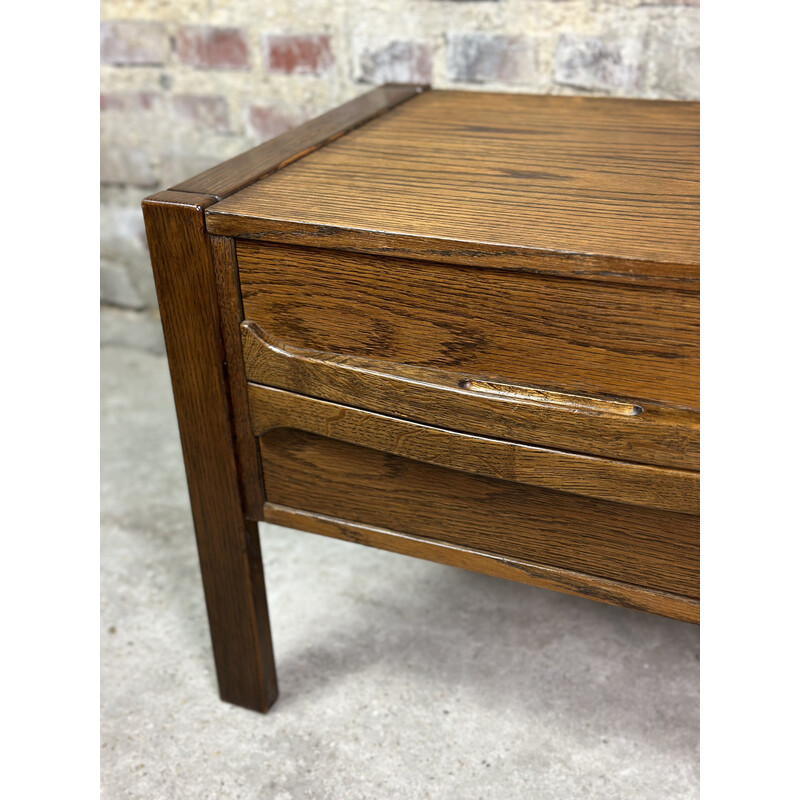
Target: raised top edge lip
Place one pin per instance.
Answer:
(236, 173)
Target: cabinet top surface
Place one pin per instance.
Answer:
(611, 178)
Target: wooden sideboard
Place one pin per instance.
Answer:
(460, 326)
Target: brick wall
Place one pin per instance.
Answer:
(185, 85)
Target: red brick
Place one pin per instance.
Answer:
(127, 101)
(397, 62)
(133, 43)
(205, 111)
(206, 47)
(307, 54)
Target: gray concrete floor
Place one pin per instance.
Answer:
(399, 678)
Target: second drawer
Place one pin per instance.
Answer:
(536, 528)
(572, 364)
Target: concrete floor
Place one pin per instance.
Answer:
(399, 678)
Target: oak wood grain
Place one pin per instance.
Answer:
(227, 543)
(598, 188)
(568, 335)
(558, 579)
(234, 174)
(659, 435)
(618, 481)
(646, 547)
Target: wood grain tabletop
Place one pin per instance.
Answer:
(611, 180)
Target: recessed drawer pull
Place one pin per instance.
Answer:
(529, 394)
(621, 428)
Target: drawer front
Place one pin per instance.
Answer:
(640, 547)
(567, 364)
(571, 335)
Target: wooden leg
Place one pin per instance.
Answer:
(227, 542)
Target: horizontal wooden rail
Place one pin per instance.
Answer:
(603, 590)
(604, 479)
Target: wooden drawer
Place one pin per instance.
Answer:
(646, 547)
(633, 528)
(576, 336)
(645, 558)
(609, 370)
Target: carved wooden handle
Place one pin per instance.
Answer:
(529, 394)
(615, 428)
